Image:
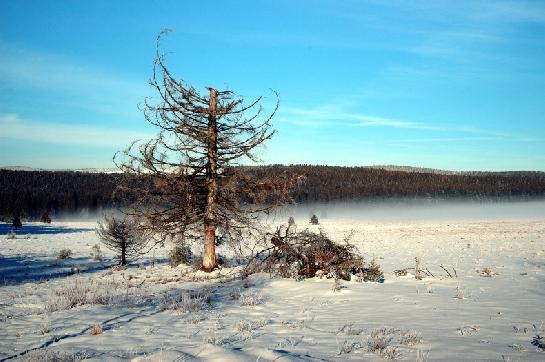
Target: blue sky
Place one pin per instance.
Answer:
(456, 85)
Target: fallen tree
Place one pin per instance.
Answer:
(308, 254)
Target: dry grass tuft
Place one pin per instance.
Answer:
(247, 327)
(349, 330)
(410, 338)
(487, 273)
(96, 253)
(96, 330)
(91, 292)
(51, 355)
(64, 254)
(187, 301)
(251, 299)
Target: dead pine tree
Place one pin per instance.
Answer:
(185, 184)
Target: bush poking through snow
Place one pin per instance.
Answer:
(337, 286)
(187, 301)
(247, 327)
(539, 342)
(64, 254)
(380, 341)
(410, 338)
(487, 273)
(307, 254)
(180, 254)
(391, 353)
(250, 299)
(347, 346)
(349, 330)
(96, 330)
(50, 355)
(370, 273)
(87, 292)
(121, 236)
(419, 271)
(96, 253)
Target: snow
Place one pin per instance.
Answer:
(470, 317)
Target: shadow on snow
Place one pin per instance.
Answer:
(36, 229)
(16, 270)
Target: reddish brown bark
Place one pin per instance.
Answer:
(209, 255)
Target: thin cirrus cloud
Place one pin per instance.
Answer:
(83, 85)
(14, 127)
(330, 117)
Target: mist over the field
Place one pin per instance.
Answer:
(424, 210)
(385, 210)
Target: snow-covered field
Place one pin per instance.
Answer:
(493, 309)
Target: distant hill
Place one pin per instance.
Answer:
(31, 192)
(88, 170)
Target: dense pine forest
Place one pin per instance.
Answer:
(31, 193)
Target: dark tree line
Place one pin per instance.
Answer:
(31, 193)
(331, 183)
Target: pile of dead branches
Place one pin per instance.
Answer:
(308, 254)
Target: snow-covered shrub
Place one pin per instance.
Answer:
(349, 330)
(89, 292)
(488, 273)
(180, 254)
(187, 301)
(51, 355)
(307, 254)
(64, 254)
(250, 299)
(410, 337)
(247, 327)
(289, 270)
(370, 273)
(11, 235)
(337, 286)
(347, 346)
(379, 340)
(383, 341)
(96, 253)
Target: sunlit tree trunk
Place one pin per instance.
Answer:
(209, 255)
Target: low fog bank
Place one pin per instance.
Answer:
(83, 215)
(385, 210)
(422, 210)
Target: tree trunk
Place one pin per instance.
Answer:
(209, 256)
(123, 253)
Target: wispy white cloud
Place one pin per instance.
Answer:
(81, 84)
(14, 127)
(333, 116)
(442, 139)
(510, 11)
